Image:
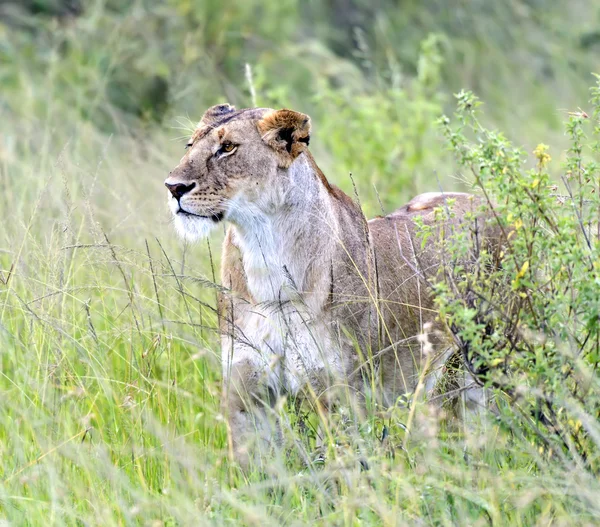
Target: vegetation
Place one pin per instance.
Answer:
(109, 359)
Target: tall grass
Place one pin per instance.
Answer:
(109, 359)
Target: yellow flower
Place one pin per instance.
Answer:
(523, 270)
(542, 155)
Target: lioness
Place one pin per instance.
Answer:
(318, 298)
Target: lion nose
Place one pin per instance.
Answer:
(179, 189)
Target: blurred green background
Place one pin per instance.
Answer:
(109, 363)
(372, 74)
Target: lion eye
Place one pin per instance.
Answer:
(227, 147)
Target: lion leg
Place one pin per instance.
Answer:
(474, 399)
(451, 386)
(250, 393)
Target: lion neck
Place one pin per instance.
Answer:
(287, 237)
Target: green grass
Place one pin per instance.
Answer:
(109, 358)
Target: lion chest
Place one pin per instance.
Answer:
(294, 349)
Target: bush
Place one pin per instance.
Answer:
(530, 327)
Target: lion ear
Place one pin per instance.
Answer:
(287, 132)
(216, 113)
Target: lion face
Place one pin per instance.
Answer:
(234, 157)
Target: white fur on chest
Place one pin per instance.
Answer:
(289, 346)
(264, 261)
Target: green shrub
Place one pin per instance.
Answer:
(530, 327)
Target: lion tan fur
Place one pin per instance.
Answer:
(319, 298)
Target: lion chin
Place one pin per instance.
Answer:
(192, 228)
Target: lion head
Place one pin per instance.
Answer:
(233, 157)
